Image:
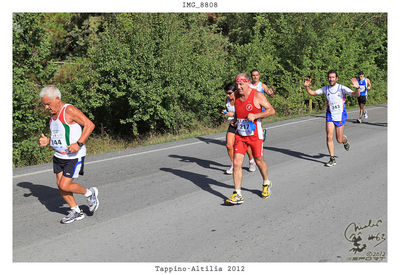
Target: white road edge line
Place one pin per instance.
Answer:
(173, 147)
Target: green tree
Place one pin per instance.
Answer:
(31, 69)
(156, 75)
(142, 74)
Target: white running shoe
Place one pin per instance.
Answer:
(93, 200)
(365, 115)
(229, 171)
(73, 216)
(252, 166)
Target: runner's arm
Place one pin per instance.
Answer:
(225, 111)
(369, 84)
(73, 114)
(234, 120)
(307, 84)
(268, 91)
(44, 141)
(355, 84)
(261, 101)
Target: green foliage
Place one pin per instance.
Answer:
(149, 74)
(158, 76)
(31, 49)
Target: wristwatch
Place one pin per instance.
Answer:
(80, 144)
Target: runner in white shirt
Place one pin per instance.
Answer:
(261, 87)
(336, 114)
(257, 84)
(69, 130)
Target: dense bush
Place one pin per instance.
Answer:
(144, 74)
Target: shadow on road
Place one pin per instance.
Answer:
(298, 154)
(50, 197)
(206, 183)
(322, 116)
(201, 162)
(382, 124)
(215, 141)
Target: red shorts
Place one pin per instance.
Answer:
(253, 141)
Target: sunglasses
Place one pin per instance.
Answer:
(229, 93)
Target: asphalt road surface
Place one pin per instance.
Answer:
(165, 203)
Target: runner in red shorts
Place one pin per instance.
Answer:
(249, 132)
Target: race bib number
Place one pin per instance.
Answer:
(336, 111)
(336, 104)
(57, 144)
(245, 128)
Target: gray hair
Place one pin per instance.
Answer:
(50, 91)
(244, 75)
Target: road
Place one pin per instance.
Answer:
(165, 203)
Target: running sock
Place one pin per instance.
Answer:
(88, 193)
(76, 209)
(267, 182)
(252, 161)
(238, 191)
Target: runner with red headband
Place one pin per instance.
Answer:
(229, 112)
(248, 115)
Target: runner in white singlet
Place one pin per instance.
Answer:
(336, 110)
(258, 85)
(262, 88)
(67, 139)
(63, 135)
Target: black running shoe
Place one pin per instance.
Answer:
(346, 144)
(331, 162)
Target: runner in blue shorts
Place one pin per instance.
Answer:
(337, 123)
(336, 114)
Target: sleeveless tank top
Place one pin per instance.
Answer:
(258, 87)
(63, 135)
(242, 109)
(336, 102)
(363, 87)
(230, 108)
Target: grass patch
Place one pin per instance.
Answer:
(98, 145)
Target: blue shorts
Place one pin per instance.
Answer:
(337, 123)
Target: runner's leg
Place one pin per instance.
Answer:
(339, 134)
(330, 128)
(250, 153)
(361, 109)
(67, 195)
(237, 170)
(230, 140)
(258, 149)
(263, 167)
